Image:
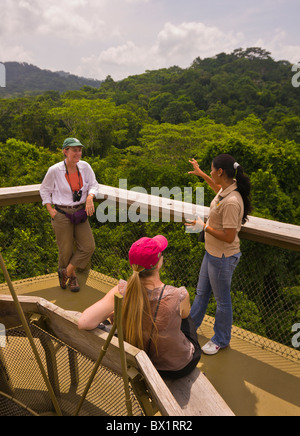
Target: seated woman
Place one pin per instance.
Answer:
(156, 317)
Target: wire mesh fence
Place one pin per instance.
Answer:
(265, 287)
(23, 391)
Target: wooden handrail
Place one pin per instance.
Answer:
(20, 195)
(257, 229)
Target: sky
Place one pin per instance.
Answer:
(97, 38)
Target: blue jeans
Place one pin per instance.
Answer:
(215, 276)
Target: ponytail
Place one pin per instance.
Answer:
(234, 170)
(244, 188)
(136, 309)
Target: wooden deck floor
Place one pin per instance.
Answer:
(253, 381)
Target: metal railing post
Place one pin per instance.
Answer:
(30, 337)
(117, 326)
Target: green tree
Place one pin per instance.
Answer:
(24, 164)
(99, 124)
(158, 103)
(179, 111)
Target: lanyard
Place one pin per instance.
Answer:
(68, 176)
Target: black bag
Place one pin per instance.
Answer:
(201, 236)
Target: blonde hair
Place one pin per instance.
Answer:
(136, 308)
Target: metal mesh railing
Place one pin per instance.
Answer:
(11, 407)
(265, 288)
(21, 382)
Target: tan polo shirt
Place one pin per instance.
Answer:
(226, 212)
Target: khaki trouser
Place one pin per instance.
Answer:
(66, 234)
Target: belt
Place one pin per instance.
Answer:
(69, 207)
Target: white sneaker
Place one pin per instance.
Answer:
(210, 348)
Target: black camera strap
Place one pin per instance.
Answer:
(69, 180)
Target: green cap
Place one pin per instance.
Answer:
(71, 142)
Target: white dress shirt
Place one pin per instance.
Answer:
(55, 188)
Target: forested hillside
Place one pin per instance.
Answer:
(145, 129)
(24, 79)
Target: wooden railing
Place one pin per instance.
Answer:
(256, 229)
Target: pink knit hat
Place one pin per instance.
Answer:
(147, 251)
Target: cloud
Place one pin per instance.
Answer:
(137, 1)
(180, 44)
(66, 19)
(279, 47)
(15, 53)
(14, 19)
(174, 45)
(125, 54)
(188, 40)
(96, 38)
(119, 61)
(29, 29)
